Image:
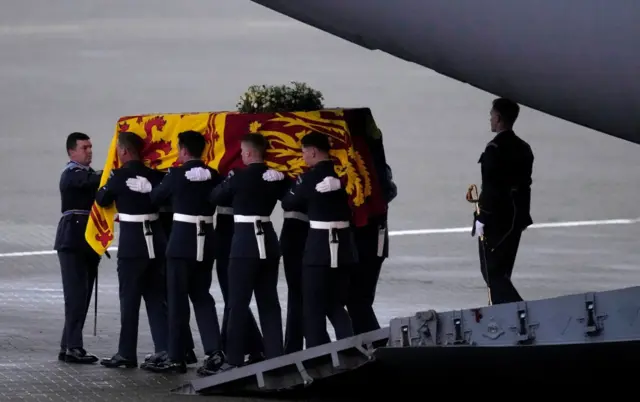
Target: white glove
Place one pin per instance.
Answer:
(272, 175)
(328, 184)
(139, 184)
(198, 174)
(479, 229)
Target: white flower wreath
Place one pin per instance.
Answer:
(282, 98)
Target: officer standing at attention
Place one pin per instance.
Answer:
(255, 254)
(190, 255)
(330, 250)
(372, 241)
(78, 261)
(293, 238)
(140, 253)
(223, 235)
(504, 202)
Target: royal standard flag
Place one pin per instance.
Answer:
(223, 132)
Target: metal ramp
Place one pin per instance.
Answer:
(293, 371)
(587, 333)
(578, 338)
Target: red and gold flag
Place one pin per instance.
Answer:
(223, 132)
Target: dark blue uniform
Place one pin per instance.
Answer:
(505, 200)
(325, 275)
(166, 220)
(254, 258)
(141, 260)
(223, 236)
(372, 242)
(78, 261)
(190, 257)
(293, 238)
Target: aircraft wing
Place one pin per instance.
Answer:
(576, 61)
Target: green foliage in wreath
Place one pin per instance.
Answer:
(282, 98)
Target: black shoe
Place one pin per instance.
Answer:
(119, 361)
(154, 358)
(191, 357)
(61, 354)
(204, 372)
(253, 359)
(79, 356)
(167, 366)
(212, 364)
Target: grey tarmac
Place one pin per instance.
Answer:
(81, 65)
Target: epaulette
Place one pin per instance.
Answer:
(492, 144)
(72, 166)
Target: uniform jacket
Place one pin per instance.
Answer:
(293, 235)
(249, 194)
(189, 198)
(78, 186)
(325, 207)
(224, 229)
(505, 199)
(132, 242)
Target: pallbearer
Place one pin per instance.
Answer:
(223, 235)
(293, 238)
(255, 254)
(372, 241)
(140, 253)
(189, 253)
(330, 251)
(166, 220)
(78, 261)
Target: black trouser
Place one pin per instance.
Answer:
(324, 295)
(294, 335)
(190, 279)
(187, 336)
(362, 293)
(141, 278)
(253, 337)
(497, 258)
(79, 270)
(246, 276)
(166, 220)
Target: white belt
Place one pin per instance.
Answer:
(334, 242)
(296, 215)
(137, 218)
(382, 231)
(193, 218)
(148, 233)
(224, 210)
(329, 225)
(250, 218)
(196, 219)
(257, 221)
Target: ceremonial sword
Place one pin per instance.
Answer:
(481, 239)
